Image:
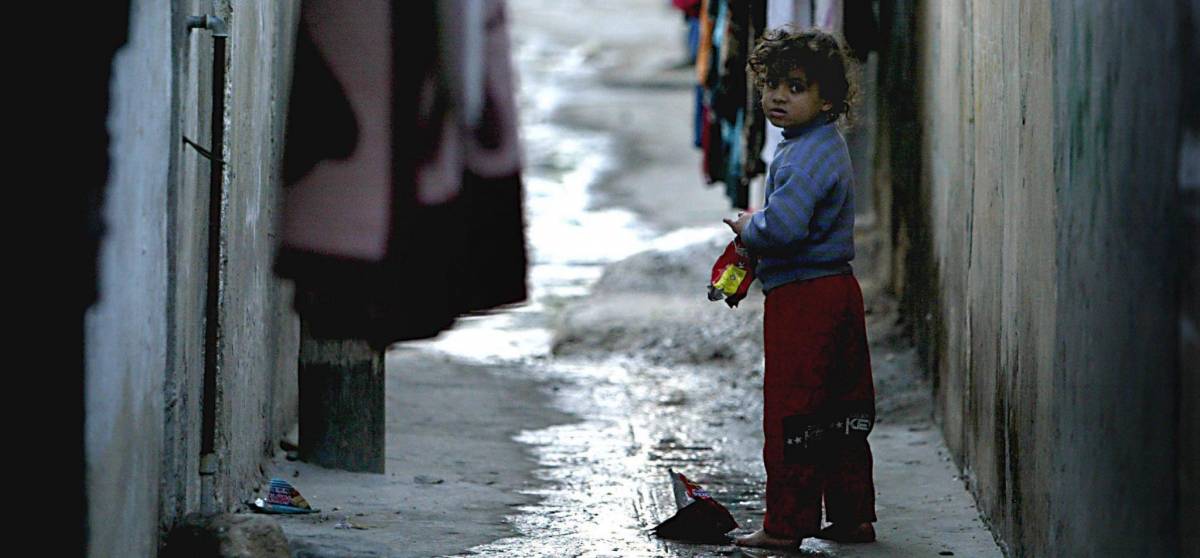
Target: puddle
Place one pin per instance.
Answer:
(605, 480)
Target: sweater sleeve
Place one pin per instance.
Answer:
(782, 224)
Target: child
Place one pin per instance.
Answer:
(819, 400)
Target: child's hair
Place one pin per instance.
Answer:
(822, 56)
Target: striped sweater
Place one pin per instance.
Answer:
(806, 228)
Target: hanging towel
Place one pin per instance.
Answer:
(397, 138)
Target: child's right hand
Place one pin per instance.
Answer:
(743, 217)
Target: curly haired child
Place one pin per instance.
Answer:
(819, 399)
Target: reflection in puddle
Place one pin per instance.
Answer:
(605, 480)
(606, 475)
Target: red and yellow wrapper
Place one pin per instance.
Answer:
(732, 274)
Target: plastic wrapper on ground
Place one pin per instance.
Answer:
(699, 518)
(283, 498)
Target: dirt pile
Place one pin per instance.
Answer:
(652, 307)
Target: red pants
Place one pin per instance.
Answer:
(818, 370)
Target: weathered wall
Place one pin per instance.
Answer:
(145, 338)
(987, 189)
(1189, 318)
(126, 331)
(1118, 71)
(1189, 345)
(258, 329)
(256, 382)
(1034, 259)
(187, 238)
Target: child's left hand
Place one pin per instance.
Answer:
(737, 225)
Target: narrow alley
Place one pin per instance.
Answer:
(1015, 371)
(610, 388)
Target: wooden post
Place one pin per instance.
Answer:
(341, 403)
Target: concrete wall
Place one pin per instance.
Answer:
(145, 337)
(187, 237)
(260, 337)
(1189, 318)
(978, 280)
(126, 330)
(1118, 72)
(1189, 345)
(1034, 256)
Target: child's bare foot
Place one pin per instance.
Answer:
(762, 539)
(839, 532)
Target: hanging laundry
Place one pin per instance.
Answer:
(402, 129)
(337, 161)
(730, 101)
(712, 28)
(705, 46)
(493, 219)
(861, 28)
(756, 122)
(715, 151)
(479, 160)
(692, 13)
(828, 15)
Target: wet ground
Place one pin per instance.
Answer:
(548, 429)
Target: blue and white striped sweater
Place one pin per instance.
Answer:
(806, 228)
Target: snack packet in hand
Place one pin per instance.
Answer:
(732, 274)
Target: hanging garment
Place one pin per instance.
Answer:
(493, 218)
(478, 163)
(704, 49)
(397, 138)
(461, 44)
(337, 158)
(755, 123)
(714, 148)
(707, 131)
(726, 97)
(828, 15)
(737, 185)
(690, 8)
(861, 28)
(783, 12)
(734, 96)
(703, 61)
(733, 115)
(451, 97)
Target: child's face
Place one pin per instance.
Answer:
(793, 101)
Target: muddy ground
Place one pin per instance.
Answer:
(651, 306)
